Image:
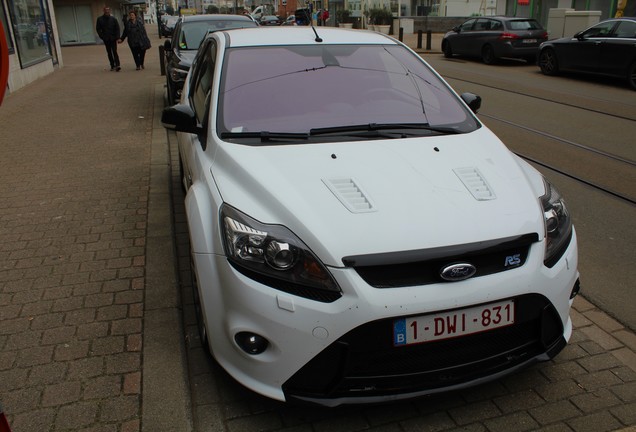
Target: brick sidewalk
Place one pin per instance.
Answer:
(75, 181)
(90, 305)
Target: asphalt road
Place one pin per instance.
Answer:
(545, 118)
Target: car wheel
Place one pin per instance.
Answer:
(631, 75)
(446, 49)
(548, 62)
(488, 55)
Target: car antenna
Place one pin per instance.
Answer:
(311, 23)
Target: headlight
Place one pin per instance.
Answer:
(273, 255)
(178, 75)
(558, 224)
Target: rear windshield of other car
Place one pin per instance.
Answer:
(298, 88)
(524, 25)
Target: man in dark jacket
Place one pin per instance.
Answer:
(108, 30)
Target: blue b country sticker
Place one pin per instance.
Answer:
(399, 332)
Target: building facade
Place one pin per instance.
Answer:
(32, 44)
(36, 30)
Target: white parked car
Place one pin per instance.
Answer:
(361, 236)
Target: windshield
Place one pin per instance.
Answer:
(192, 33)
(294, 89)
(524, 25)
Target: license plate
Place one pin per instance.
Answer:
(528, 41)
(446, 325)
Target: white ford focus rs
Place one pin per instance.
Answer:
(357, 234)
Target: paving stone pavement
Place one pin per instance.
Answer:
(97, 327)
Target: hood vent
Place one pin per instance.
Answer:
(476, 183)
(350, 194)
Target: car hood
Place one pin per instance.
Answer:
(346, 199)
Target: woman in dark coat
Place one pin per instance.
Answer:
(138, 41)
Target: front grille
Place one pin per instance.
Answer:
(422, 267)
(364, 362)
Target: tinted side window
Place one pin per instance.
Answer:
(203, 74)
(482, 24)
(175, 34)
(599, 30)
(468, 25)
(626, 29)
(496, 25)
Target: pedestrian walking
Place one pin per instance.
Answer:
(138, 40)
(108, 30)
(325, 17)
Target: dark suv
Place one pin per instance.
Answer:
(186, 38)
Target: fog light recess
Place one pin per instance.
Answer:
(251, 343)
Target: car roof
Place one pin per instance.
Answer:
(507, 18)
(618, 19)
(214, 17)
(269, 36)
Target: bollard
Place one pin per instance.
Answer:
(419, 39)
(162, 60)
(401, 34)
(428, 40)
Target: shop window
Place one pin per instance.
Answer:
(5, 24)
(31, 31)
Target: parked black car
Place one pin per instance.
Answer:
(607, 48)
(167, 25)
(188, 34)
(492, 38)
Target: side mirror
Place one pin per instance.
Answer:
(472, 100)
(181, 118)
(457, 29)
(167, 45)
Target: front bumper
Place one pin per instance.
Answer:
(341, 352)
(363, 365)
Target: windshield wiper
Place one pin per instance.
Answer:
(266, 136)
(382, 126)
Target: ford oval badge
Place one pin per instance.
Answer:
(457, 272)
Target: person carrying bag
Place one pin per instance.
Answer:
(138, 40)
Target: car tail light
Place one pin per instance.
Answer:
(506, 35)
